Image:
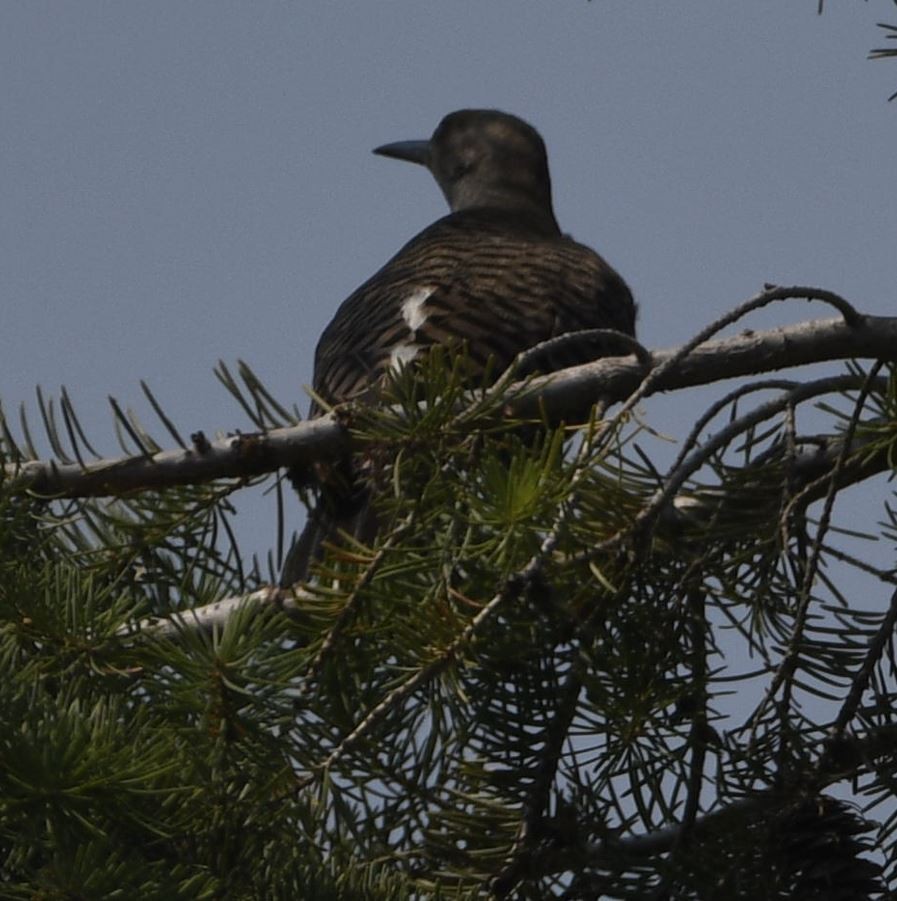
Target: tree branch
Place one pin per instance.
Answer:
(566, 396)
(237, 456)
(211, 616)
(875, 743)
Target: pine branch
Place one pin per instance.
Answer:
(534, 826)
(238, 456)
(863, 675)
(566, 396)
(784, 675)
(810, 476)
(211, 617)
(718, 822)
(842, 760)
(564, 729)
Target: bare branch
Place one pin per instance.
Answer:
(237, 456)
(562, 396)
(211, 617)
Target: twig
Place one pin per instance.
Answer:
(770, 294)
(874, 743)
(511, 590)
(884, 634)
(695, 459)
(789, 662)
(350, 607)
(211, 616)
(537, 801)
(514, 587)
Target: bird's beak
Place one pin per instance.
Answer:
(412, 151)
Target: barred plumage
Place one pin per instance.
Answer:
(495, 274)
(497, 280)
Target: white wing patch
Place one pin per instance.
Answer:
(415, 316)
(412, 307)
(403, 354)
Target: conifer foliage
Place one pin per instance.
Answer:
(561, 670)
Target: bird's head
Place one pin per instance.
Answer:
(484, 159)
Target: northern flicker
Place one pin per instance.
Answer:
(496, 275)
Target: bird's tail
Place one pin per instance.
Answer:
(329, 524)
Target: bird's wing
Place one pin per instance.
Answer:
(496, 292)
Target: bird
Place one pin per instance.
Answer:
(496, 276)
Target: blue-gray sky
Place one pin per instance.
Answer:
(183, 182)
